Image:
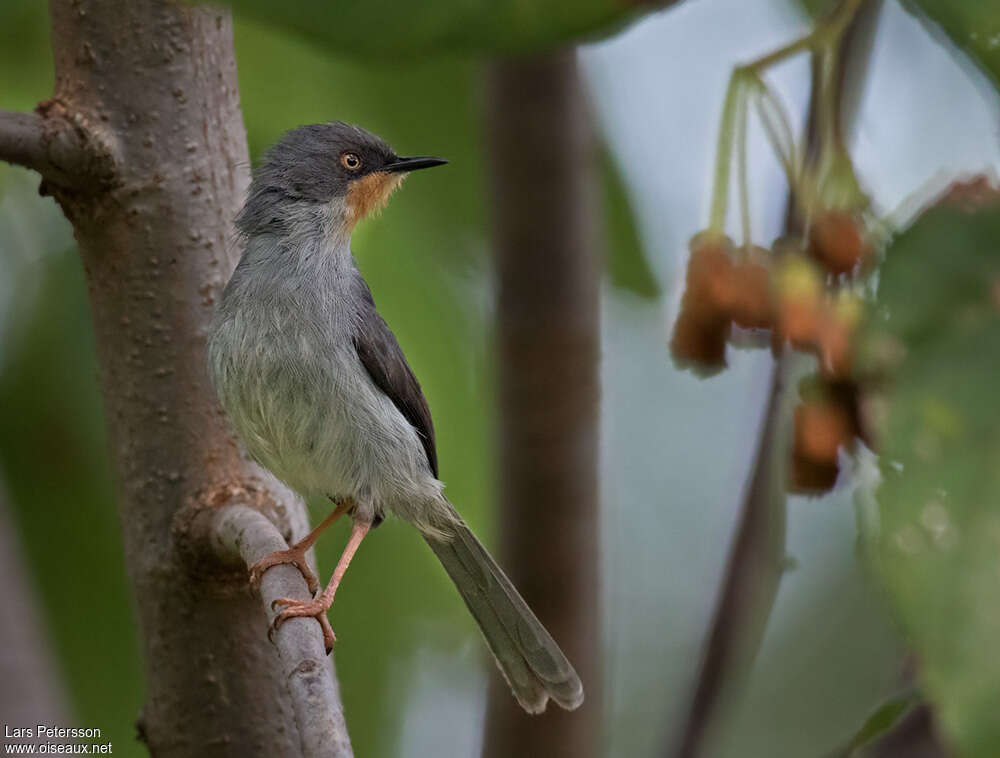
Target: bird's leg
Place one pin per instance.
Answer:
(296, 554)
(320, 605)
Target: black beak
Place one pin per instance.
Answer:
(413, 163)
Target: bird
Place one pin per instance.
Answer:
(320, 393)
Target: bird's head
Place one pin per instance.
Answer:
(345, 168)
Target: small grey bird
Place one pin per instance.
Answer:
(320, 393)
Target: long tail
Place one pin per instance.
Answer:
(530, 660)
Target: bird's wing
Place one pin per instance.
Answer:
(385, 363)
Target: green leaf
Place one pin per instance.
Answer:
(626, 264)
(879, 723)
(390, 28)
(973, 25)
(937, 548)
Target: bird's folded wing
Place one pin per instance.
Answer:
(385, 363)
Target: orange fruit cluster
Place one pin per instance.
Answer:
(785, 292)
(722, 288)
(813, 320)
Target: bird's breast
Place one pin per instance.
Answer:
(289, 377)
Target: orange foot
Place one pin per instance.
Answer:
(296, 556)
(304, 609)
(317, 607)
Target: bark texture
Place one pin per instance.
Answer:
(143, 147)
(541, 151)
(240, 535)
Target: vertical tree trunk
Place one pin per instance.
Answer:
(143, 147)
(541, 151)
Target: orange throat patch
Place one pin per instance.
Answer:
(370, 193)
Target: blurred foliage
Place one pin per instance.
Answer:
(816, 7)
(388, 28)
(938, 542)
(53, 449)
(973, 25)
(54, 462)
(25, 57)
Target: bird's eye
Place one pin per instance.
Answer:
(350, 161)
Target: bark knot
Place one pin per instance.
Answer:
(79, 152)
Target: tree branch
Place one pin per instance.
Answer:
(21, 139)
(239, 533)
(59, 148)
(753, 573)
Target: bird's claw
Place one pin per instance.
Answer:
(292, 556)
(303, 609)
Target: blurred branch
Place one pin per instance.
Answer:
(753, 573)
(757, 556)
(543, 193)
(241, 533)
(61, 151)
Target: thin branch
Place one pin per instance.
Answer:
(21, 139)
(778, 129)
(743, 170)
(750, 584)
(724, 153)
(238, 533)
(53, 145)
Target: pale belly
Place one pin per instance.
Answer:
(323, 427)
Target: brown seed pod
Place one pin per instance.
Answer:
(814, 321)
(799, 291)
(699, 335)
(810, 478)
(695, 345)
(839, 241)
(753, 303)
(841, 315)
(821, 428)
(834, 348)
(800, 320)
